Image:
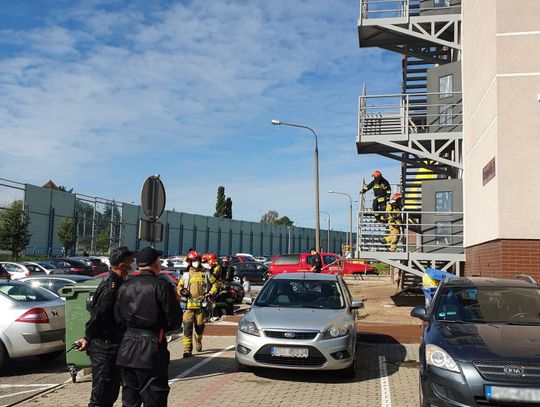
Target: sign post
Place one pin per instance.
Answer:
(153, 203)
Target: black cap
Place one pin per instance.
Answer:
(119, 254)
(148, 255)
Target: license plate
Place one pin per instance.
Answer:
(289, 352)
(522, 394)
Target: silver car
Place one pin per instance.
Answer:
(32, 323)
(300, 321)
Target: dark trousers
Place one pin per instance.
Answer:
(379, 205)
(105, 373)
(148, 386)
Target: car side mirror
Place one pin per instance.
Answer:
(420, 313)
(357, 305)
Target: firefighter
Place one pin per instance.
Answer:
(381, 190)
(393, 217)
(192, 287)
(146, 308)
(103, 335)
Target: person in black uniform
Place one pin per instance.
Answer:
(146, 308)
(315, 261)
(102, 335)
(381, 191)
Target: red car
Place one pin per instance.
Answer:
(331, 264)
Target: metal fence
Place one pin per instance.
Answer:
(102, 224)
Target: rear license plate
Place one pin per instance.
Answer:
(289, 352)
(522, 394)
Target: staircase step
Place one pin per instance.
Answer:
(424, 86)
(416, 79)
(416, 70)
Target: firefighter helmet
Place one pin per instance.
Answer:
(193, 256)
(376, 174)
(396, 196)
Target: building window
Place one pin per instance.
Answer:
(443, 201)
(443, 234)
(445, 115)
(445, 86)
(441, 3)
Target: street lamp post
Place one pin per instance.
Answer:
(328, 234)
(350, 216)
(316, 158)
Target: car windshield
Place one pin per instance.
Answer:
(508, 305)
(25, 293)
(301, 294)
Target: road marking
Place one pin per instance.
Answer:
(4, 386)
(200, 364)
(28, 391)
(386, 399)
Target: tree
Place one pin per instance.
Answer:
(284, 220)
(220, 203)
(14, 234)
(103, 241)
(228, 209)
(67, 234)
(269, 217)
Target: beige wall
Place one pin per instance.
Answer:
(501, 81)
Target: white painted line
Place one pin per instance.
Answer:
(200, 364)
(386, 399)
(27, 391)
(4, 386)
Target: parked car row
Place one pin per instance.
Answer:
(89, 266)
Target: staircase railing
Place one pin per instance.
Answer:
(403, 9)
(410, 113)
(440, 232)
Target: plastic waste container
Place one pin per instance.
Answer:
(78, 297)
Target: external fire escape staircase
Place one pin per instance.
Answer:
(420, 129)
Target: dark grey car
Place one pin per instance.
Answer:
(481, 344)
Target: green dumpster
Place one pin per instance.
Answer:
(78, 297)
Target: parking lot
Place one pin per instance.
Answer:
(386, 370)
(386, 375)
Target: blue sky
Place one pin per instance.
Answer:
(98, 95)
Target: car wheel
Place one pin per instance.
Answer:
(349, 372)
(237, 279)
(240, 367)
(51, 356)
(423, 402)
(4, 357)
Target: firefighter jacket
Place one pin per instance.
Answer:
(194, 282)
(102, 324)
(381, 189)
(146, 308)
(393, 214)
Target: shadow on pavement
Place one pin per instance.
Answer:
(32, 365)
(409, 297)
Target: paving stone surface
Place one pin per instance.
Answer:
(210, 379)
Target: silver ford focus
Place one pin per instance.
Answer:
(300, 321)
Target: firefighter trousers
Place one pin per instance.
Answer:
(393, 237)
(105, 373)
(379, 205)
(193, 318)
(148, 386)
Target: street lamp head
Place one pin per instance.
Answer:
(275, 122)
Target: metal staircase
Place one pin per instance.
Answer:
(420, 129)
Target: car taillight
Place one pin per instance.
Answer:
(35, 316)
(77, 270)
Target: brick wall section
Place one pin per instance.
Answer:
(504, 258)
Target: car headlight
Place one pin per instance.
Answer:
(336, 331)
(248, 327)
(436, 356)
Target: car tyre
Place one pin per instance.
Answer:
(51, 355)
(241, 367)
(423, 402)
(4, 357)
(349, 372)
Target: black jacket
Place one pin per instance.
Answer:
(381, 188)
(148, 304)
(102, 324)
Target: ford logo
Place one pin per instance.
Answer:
(289, 335)
(514, 370)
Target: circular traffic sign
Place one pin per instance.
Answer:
(153, 197)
